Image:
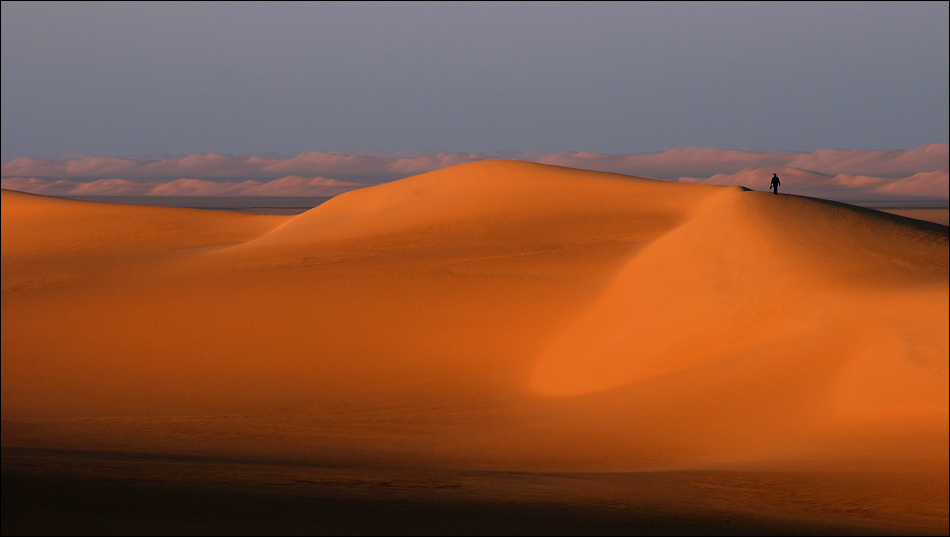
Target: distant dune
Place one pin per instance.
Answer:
(495, 314)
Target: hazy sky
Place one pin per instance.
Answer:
(122, 79)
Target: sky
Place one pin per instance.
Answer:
(613, 78)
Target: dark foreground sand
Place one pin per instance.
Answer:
(63, 492)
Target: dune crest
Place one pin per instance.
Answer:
(481, 201)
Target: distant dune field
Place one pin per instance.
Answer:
(495, 315)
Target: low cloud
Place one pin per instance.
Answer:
(833, 173)
(286, 186)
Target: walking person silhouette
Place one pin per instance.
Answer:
(775, 184)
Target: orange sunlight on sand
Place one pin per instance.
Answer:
(496, 314)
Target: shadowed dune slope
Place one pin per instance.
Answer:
(494, 314)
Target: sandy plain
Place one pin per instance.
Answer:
(937, 216)
(630, 355)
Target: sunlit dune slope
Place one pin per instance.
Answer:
(493, 313)
(43, 226)
(751, 270)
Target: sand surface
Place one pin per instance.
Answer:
(495, 316)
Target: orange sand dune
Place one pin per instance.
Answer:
(492, 314)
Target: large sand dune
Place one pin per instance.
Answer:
(493, 314)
